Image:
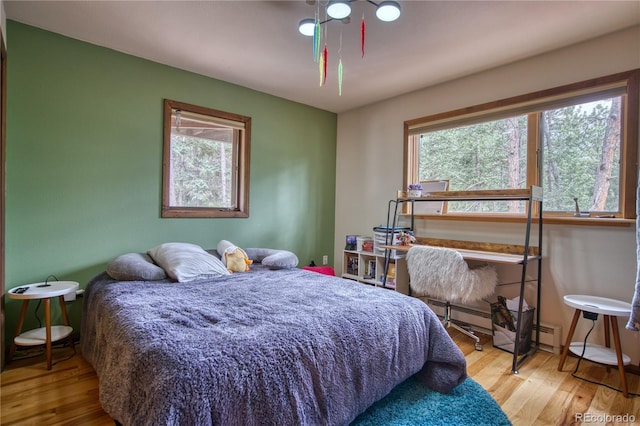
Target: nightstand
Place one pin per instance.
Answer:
(611, 309)
(48, 334)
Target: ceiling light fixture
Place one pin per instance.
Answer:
(388, 11)
(307, 26)
(340, 10)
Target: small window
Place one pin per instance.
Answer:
(205, 162)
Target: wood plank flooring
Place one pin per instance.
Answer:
(538, 395)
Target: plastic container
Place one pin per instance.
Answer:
(360, 241)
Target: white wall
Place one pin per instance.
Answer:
(578, 259)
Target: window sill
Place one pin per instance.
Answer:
(554, 220)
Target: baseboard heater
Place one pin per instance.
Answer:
(480, 320)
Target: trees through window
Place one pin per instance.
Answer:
(578, 142)
(205, 162)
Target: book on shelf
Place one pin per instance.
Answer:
(371, 270)
(352, 265)
(391, 276)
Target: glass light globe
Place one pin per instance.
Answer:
(338, 9)
(388, 11)
(307, 27)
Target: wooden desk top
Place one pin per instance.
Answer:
(484, 256)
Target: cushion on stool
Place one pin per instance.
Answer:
(598, 305)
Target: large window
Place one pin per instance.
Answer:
(578, 142)
(205, 162)
(488, 155)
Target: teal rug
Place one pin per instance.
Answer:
(411, 403)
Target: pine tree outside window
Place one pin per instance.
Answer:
(205, 162)
(578, 142)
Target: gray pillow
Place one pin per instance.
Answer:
(272, 258)
(135, 267)
(185, 262)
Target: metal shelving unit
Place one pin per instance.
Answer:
(522, 255)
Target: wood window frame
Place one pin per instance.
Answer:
(528, 103)
(241, 174)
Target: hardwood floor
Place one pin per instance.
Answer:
(65, 395)
(541, 395)
(538, 395)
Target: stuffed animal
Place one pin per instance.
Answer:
(237, 260)
(233, 257)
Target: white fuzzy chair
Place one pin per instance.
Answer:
(443, 274)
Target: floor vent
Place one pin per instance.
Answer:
(550, 335)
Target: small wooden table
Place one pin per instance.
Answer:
(47, 334)
(611, 309)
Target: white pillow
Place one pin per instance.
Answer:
(186, 262)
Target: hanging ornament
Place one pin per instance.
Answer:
(325, 55)
(317, 34)
(362, 34)
(340, 77)
(340, 66)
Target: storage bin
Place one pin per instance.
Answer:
(504, 337)
(360, 240)
(380, 238)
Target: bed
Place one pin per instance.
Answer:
(267, 346)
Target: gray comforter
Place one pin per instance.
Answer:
(285, 347)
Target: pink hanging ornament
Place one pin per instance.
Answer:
(324, 60)
(362, 34)
(321, 70)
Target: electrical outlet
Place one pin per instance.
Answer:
(325, 259)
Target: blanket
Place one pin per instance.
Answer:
(286, 347)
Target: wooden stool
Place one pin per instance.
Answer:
(611, 309)
(49, 333)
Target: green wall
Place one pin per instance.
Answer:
(84, 163)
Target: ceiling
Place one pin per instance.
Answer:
(256, 43)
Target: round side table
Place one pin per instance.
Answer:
(611, 309)
(47, 334)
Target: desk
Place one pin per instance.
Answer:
(494, 253)
(484, 256)
(47, 334)
(507, 254)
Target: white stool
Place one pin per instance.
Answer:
(611, 309)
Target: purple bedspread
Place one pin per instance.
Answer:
(284, 347)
